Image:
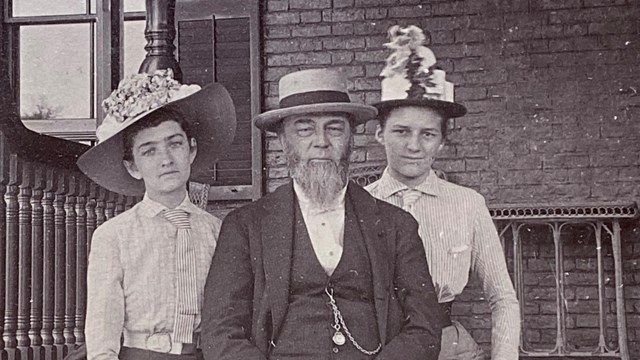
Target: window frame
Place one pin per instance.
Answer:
(108, 21)
(106, 68)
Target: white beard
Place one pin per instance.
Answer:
(321, 181)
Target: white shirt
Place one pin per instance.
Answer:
(460, 238)
(325, 228)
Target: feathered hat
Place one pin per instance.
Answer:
(411, 76)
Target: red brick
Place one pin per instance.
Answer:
(367, 84)
(342, 3)
(282, 18)
(358, 155)
(307, 17)
(281, 46)
(376, 153)
(343, 15)
(410, 11)
(376, 13)
(277, 32)
(563, 161)
(311, 30)
(555, 4)
(341, 57)
(375, 56)
(307, 4)
(277, 5)
(448, 8)
(342, 29)
(594, 3)
(342, 43)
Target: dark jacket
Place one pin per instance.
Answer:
(247, 291)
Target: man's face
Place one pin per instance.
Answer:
(318, 137)
(412, 136)
(162, 157)
(317, 147)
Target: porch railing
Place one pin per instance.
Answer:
(48, 212)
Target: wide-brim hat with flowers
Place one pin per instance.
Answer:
(313, 91)
(411, 76)
(209, 111)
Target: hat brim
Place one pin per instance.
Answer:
(269, 120)
(212, 119)
(447, 108)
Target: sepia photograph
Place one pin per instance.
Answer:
(319, 179)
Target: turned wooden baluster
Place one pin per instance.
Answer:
(11, 260)
(100, 207)
(70, 269)
(24, 259)
(130, 201)
(160, 31)
(3, 249)
(49, 251)
(92, 212)
(120, 201)
(37, 251)
(110, 208)
(60, 264)
(81, 258)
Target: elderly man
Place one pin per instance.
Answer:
(319, 269)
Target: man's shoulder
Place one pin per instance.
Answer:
(260, 207)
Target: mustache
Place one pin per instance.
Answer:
(321, 181)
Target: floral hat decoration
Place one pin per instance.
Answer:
(411, 76)
(209, 111)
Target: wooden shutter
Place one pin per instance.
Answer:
(219, 50)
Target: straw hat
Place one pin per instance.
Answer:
(313, 91)
(411, 77)
(209, 111)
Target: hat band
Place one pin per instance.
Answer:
(314, 97)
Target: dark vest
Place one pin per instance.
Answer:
(307, 328)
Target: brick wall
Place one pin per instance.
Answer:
(554, 116)
(551, 86)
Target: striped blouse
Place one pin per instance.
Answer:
(459, 237)
(132, 274)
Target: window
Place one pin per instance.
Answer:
(66, 56)
(60, 69)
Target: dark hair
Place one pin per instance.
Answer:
(383, 115)
(152, 120)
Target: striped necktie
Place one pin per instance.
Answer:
(186, 285)
(409, 198)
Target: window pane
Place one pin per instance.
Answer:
(48, 7)
(134, 5)
(134, 43)
(55, 71)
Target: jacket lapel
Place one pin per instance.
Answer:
(277, 247)
(373, 232)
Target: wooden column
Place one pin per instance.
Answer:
(24, 261)
(70, 268)
(49, 250)
(81, 259)
(60, 264)
(37, 251)
(11, 259)
(160, 31)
